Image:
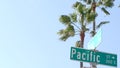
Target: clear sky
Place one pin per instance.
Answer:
(28, 34)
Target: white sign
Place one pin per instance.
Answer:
(96, 40)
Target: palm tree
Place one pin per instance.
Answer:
(76, 23)
(103, 5)
(84, 14)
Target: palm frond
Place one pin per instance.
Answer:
(76, 4)
(99, 3)
(61, 32)
(64, 37)
(119, 6)
(108, 3)
(91, 16)
(70, 30)
(81, 8)
(66, 33)
(88, 1)
(65, 19)
(102, 23)
(73, 17)
(105, 11)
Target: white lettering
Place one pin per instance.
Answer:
(98, 58)
(87, 57)
(83, 56)
(78, 55)
(91, 56)
(94, 58)
(73, 52)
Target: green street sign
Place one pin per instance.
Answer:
(85, 55)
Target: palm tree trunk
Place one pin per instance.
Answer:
(82, 35)
(94, 29)
(81, 64)
(94, 10)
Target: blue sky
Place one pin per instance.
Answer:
(28, 34)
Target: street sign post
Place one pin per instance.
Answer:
(96, 40)
(85, 55)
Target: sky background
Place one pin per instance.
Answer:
(28, 34)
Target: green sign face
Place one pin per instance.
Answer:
(85, 55)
